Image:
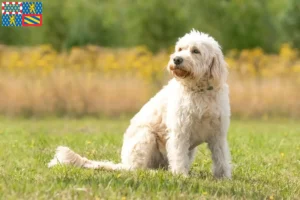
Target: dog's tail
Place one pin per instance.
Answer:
(64, 155)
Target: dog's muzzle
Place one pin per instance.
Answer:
(178, 69)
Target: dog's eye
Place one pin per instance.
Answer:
(196, 51)
(179, 49)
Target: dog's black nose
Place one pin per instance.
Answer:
(177, 60)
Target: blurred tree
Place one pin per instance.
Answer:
(237, 23)
(291, 23)
(54, 23)
(157, 24)
(91, 23)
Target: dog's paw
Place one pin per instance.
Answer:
(182, 172)
(222, 174)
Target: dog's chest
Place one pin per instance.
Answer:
(205, 119)
(201, 106)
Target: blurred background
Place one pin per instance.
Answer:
(107, 58)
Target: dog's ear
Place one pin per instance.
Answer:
(218, 69)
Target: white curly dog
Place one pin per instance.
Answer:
(192, 109)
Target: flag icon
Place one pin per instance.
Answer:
(11, 8)
(32, 7)
(11, 20)
(32, 20)
(22, 13)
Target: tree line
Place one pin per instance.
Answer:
(237, 24)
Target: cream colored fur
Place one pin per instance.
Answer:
(191, 109)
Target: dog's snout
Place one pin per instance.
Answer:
(177, 60)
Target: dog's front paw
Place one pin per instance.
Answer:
(180, 171)
(222, 173)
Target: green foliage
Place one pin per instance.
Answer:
(264, 153)
(157, 24)
(291, 23)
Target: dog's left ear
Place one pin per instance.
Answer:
(218, 69)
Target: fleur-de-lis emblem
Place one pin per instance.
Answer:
(12, 20)
(32, 8)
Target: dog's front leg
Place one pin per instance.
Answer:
(220, 156)
(178, 153)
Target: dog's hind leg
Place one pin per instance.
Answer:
(140, 149)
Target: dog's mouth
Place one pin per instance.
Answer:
(179, 72)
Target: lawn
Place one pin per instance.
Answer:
(265, 154)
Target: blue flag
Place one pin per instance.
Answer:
(11, 20)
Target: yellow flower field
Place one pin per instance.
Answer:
(100, 81)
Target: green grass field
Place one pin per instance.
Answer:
(265, 154)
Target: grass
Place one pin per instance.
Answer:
(265, 154)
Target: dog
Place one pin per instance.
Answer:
(193, 108)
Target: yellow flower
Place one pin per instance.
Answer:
(88, 142)
(286, 52)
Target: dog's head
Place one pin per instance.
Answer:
(197, 57)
